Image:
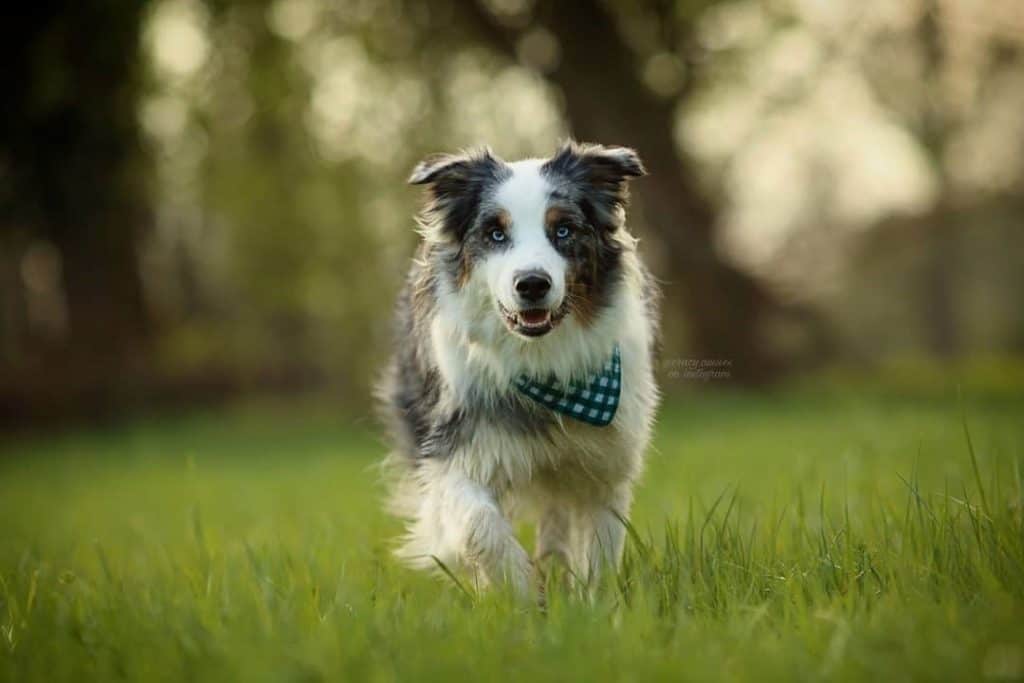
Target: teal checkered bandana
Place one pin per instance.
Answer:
(593, 402)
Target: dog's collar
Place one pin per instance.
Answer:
(593, 401)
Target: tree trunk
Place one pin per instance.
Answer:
(938, 285)
(71, 157)
(934, 130)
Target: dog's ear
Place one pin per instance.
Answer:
(428, 170)
(454, 168)
(600, 173)
(455, 184)
(598, 164)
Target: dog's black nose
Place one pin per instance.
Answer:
(532, 285)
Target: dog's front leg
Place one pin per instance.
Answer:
(462, 520)
(482, 536)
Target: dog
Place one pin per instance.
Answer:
(521, 383)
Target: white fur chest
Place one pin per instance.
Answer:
(478, 361)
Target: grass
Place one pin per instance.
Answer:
(808, 535)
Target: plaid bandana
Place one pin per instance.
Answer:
(594, 402)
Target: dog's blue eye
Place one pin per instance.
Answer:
(562, 232)
(497, 235)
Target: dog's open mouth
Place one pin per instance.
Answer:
(532, 322)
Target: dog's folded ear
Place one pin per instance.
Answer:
(428, 170)
(455, 183)
(453, 168)
(597, 163)
(600, 173)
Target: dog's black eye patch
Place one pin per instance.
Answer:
(455, 184)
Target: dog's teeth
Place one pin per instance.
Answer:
(534, 318)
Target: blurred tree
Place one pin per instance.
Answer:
(824, 122)
(265, 212)
(933, 129)
(73, 183)
(945, 105)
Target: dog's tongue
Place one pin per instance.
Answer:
(536, 316)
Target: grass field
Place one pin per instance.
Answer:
(802, 535)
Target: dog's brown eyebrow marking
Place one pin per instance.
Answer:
(553, 215)
(498, 218)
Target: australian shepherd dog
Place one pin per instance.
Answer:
(521, 382)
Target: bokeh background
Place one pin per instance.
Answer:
(204, 222)
(204, 199)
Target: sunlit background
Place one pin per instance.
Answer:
(206, 199)
(204, 222)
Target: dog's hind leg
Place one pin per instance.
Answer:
(554, 547)
(553, 534)
(599, 534)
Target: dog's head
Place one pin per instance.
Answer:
(538, 238)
